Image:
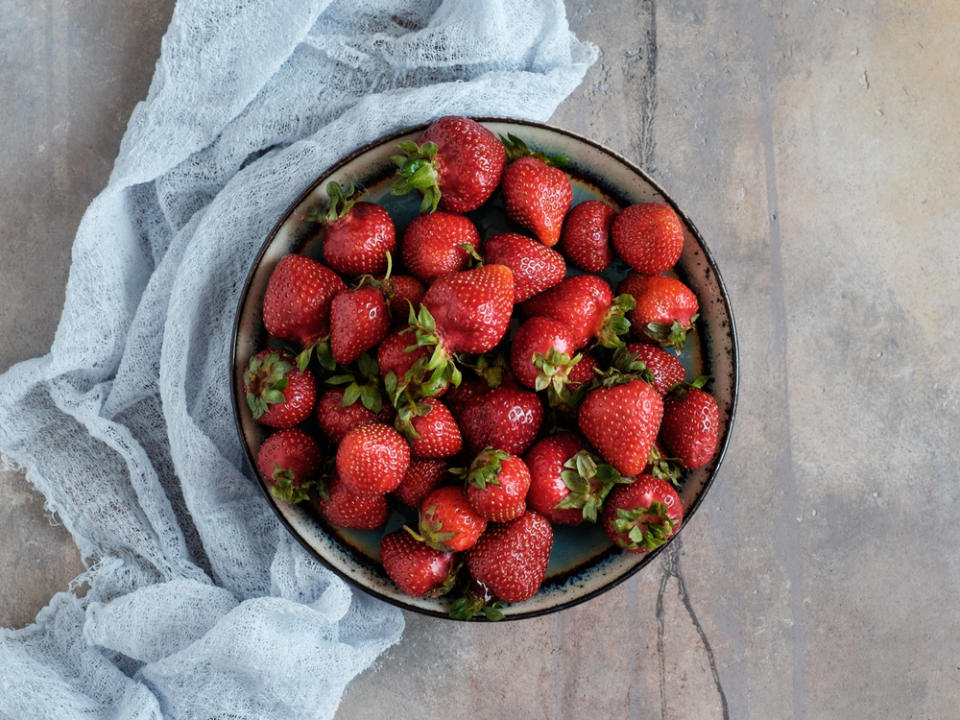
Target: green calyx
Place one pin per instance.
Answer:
(589, 483)
(665, 468)
(286, 488)
(625, 367)
(265, 379)
(679, 390)
(471, 604)
(615, 323)
(517, 148)
(324, 356)
(630, 523)
(416, 171)
(424, 327)
(407, 409)
(362, 383)
(341, 201)
(489, 367)
(673, 335)
(430, 531)
(553, 370)
(486, 467)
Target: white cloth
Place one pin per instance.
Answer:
(198, 604)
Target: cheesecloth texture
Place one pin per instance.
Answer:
(196, 602)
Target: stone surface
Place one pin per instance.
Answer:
(814, 145)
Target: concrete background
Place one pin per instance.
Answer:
(815, 146)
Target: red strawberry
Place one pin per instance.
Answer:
(430, 429)
(622, 423)
(296, 304)
(288, 460)
(497, 484)
(691, 425)
(585, 239)
(457, 398)
(505, 418)
(415, 568)
(392, 355)
(423, 476)
(639, 517)
(372, 459)
(666, 369)
(357, 235)
(542, 354)
(665, 308)
(336, 419)
(438, 243)
(345, 508)
(585, 304)
(583, 371)
(537, 197)
(400, 292)
(448, 522)
(358, 321)
(511, 559)
(455, 163)
(535, 267)
(278, 393)
(648, 236)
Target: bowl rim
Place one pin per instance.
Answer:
(724, 294)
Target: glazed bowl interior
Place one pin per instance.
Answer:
(583, 562)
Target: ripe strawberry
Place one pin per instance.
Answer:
(497, 484)
(296, 304)
(416, 568)
(356, 235)
(457, 398)
(358, 321)
(400, 292)
(511, 559)
(392, 355)
(641, 516)
(456, 163)
(536, 192)
(665, 308)
(279, 394)
(372, 459)
(448, 522)
(438, 243)
(505, 418)
(586, 306)
(430, 429)
(342, 507)
(542, 354)
(622, 423)
(691, 425)
(648, 236)
(583, 371)
(585, 238)
(336, 419)
(666, 369)
(535, 267)
(423, 476)
(288, 460)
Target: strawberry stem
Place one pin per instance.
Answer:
(416, 171)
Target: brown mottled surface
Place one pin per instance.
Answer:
(814, 145)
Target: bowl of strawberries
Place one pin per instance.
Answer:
(484, 369)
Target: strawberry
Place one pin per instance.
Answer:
(430, 429)
(358, 322)
(456, 163)
(505, 418)
(423, 476)
(641, 516)
(296, 303)
(542, 354)
(665, 311)
(400, 292)
(342, 507)
(535, 267)
(585, 238)
(691, 424)
(583, 371)
(288, 460)
(666, 369)
(457, 398)
(511, 559)
(648, 236)
(536, 192)
(497, 484)
(356, 235)
(438, 243)
(279, 394)
(448, 522)
(392, 355)
(372, 459)
(337, 417)
(416, 568)
(586, 306)
(622, 423)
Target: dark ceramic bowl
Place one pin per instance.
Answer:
(583, 563)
